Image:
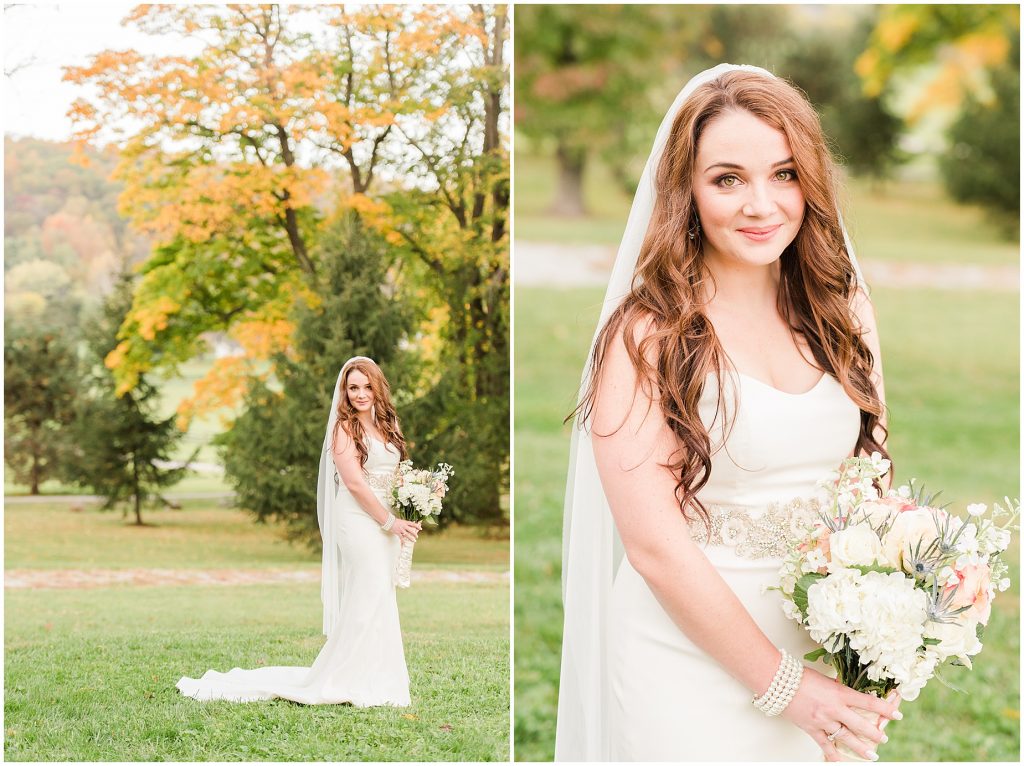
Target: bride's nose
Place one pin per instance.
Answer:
(760, 203)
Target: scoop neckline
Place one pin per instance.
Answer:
(769, 386)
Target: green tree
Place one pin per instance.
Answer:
(983, 163)
(116, 443)
(585, 77)
(863, 130)
(272, 452)
(965, 39)
(40, 385)
(228, 152)
(458, 235)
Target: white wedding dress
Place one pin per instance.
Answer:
(669, 700)
(363, 662)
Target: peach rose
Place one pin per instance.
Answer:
(822, 542)
(974, 590)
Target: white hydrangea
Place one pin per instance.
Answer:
(920, 673)
(833, 605)
(883, 616)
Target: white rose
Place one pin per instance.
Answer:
(857, 545)
(911, 530)
(956, 639)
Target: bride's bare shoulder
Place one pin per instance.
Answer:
(620, 383)
(634, 328)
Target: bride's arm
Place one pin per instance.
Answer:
(631, 455)
(346, 460)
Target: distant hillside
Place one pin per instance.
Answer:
(63, 237)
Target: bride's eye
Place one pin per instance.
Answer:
(786, 175)
(727, 181)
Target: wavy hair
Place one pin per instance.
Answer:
(385, 417)
(665, 330)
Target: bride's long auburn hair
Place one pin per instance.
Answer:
(665, 304)
(385, 417)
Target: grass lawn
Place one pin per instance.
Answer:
(200, 536)
(898, 221)
(90, 674)
(952, 378)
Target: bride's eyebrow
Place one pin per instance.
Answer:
(734, 166)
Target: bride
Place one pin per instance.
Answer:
(363, 662)
(736, 363)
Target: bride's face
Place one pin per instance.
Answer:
(746, 190)
(360, 395)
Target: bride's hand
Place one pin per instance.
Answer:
(821, 705)
(406, 530)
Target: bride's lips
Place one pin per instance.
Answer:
(760, 233)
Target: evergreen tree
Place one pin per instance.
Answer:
(39, 393)
(115, 442)
(272, 452)
(463, 419)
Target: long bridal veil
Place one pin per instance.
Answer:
(592, 549)
(327, 484)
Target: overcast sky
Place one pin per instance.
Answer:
(41, 39)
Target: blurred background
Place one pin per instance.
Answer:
(207, 210)
(922, 106)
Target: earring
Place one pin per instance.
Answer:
(694, 232)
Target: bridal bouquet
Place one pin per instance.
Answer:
(891, 586)
(416, 495)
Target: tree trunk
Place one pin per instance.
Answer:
(137, 495)
(35, 476)
(568, 201)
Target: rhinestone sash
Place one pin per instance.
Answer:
(770, 534)
(380, 481)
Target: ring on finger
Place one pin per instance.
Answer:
(832, 737)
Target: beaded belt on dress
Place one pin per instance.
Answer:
(377, 481)
(381, 481)
(769, 534)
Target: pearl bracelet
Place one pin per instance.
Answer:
(783, 687)
(386, 526)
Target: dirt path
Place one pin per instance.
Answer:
(18, 579)
(541, 264)
(39, 499)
